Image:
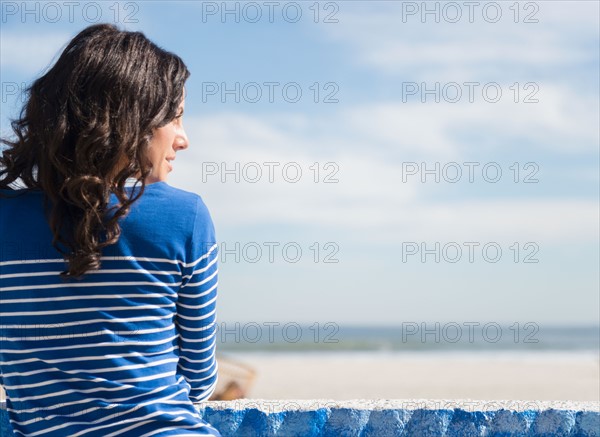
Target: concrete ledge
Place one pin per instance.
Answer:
(399, 417)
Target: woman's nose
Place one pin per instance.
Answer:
(181, 141)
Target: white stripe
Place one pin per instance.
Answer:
(202, 379)
(205, 387)
(56, 272)
(132, 420)
(90, 284)
(137, 425)
(210, 357)
(203, 269)
(89, 358)
(80, 346)
(97, 379)
(88, 334)
(66, 392)
(204, 281)
(204, 293)
(96, 421)
(209, 391)
(199, 317)
(199, 425)
(89, 321)
(197, 352)
(88, 400)
(112, 258)
(204, 369)
(196, 340)
(195, 307)
(32, 261)
(87, 371)
(79, 413)
(103, 258)
(88, 296)
(91, 390)
(85, 310)
(177, 419)
(207, 254)
(209, 326)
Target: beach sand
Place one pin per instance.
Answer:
(344, 376)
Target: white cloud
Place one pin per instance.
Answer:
(370, 194)
(379, 38)
(559, 121)
(543, 221)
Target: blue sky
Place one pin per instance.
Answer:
(376, 137)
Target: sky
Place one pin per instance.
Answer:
(375, 162)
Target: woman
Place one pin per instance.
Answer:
(108, 275)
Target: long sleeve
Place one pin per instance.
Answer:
(196, 308)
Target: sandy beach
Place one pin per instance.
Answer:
(361, 375)
(485, 376)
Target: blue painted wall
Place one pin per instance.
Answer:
(325, 419)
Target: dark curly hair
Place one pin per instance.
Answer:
(85, 129)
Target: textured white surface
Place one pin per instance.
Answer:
(270, 406)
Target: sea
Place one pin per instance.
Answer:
(407, 337)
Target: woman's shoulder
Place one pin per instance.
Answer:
(180, 196)
(173, 191)
(188, 211)
(181, 204)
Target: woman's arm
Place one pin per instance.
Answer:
(196, 308)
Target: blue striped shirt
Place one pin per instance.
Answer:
(127, 349)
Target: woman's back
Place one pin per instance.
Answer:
(124, 349)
